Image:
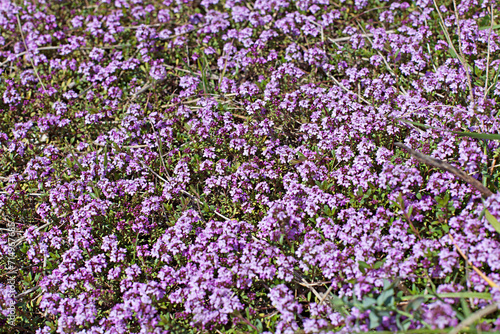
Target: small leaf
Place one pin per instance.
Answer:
(414, 304)
(387, 284)
(367, 302)
(378, 264)
(281, 239)
(385, 298)
(363, 266)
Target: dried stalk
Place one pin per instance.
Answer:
(347, 90)
(459, 55)
(447, 167)
(326, 294)
(488, 56)
(21, 239)
(389, 68)
(58, 47)
(27, 292)
(345, 39)
(31, 58)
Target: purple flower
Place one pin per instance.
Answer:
(158, 72)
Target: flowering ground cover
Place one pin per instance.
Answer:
(234, 166)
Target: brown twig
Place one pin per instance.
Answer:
(493, 166)
(447, 167)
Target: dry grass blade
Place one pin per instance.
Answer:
(345, 39)
(186, 193)
(27, 292)
(460, 56)
(447, 167)
(326, 294)
(389, 68)
(475, 317)
(21, 239)
(347, 90)
(31, 58)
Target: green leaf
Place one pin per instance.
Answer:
(493, 221)
(378, 264)
(363, 266)
(402, 325)
(374, 320)
(414, 304)
(386, 297)
(367, 302)
(281, 239)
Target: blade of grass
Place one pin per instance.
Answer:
(203, 78)
(475, 317)
(488, 136)
(479, 295)
(477, 135)
(105, 159)
(493, 84)
(462, 56)
(207, 66)
(488, 52)
(493, 221)
(492, 27)
(448, 38)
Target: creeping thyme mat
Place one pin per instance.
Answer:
(234, 166)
